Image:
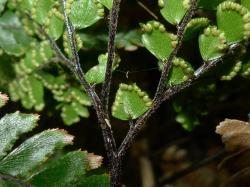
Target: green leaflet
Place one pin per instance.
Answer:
(212, 43)
(85, 13)
(41, 10)
(69, 114)
(245, 3)
(25, 5)
(97, 73)
(36, 93)
(28, 162)
(54, 26)
(187, 121)
(13, 40)
(80, 96)
(194, 27)
(3, 99)
(173, 10)
(180, 72)
(33, 152)
(12, 126)
(157, 40)
(30, 90)
(230, 14)
(80, 110)
(130, 102)
(106, 3)
(62, 172)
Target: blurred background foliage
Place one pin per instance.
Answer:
(35, 80)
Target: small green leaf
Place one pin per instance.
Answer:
(80, 110)
(174, 10)
(41, 9)
(212, 43)
(3, 99)
(85, 13)
(26, 5)
(245, 3)
(69, 115)
(194, 27)
(33, 152)
(230, 14)
(13, 39)
(36, 93)
(188, 121)
(55, 28)
(106, 3)
(62, 172)
(97, 73)
(130, 102)
(157, 40)
(12, 126)
(181, 71)
(80, 96)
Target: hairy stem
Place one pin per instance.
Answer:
(111, 52)
(107, 133)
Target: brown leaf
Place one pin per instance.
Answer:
(235, 134)
(94, 161)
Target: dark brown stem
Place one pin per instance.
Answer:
(115, 172)
(102, 115)
(111, 52)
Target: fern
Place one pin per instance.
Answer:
(34, 162)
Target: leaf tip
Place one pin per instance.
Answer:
(94, 161)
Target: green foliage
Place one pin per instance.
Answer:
(173, 10)
(181, 71)
(155, 38)
(84, 13)
(130, 102)
(229, 14)
(213, 41)
(34, 70)
(97, 73)
(13, 39)
(34, 67)
(195, 26)
(32, 161)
